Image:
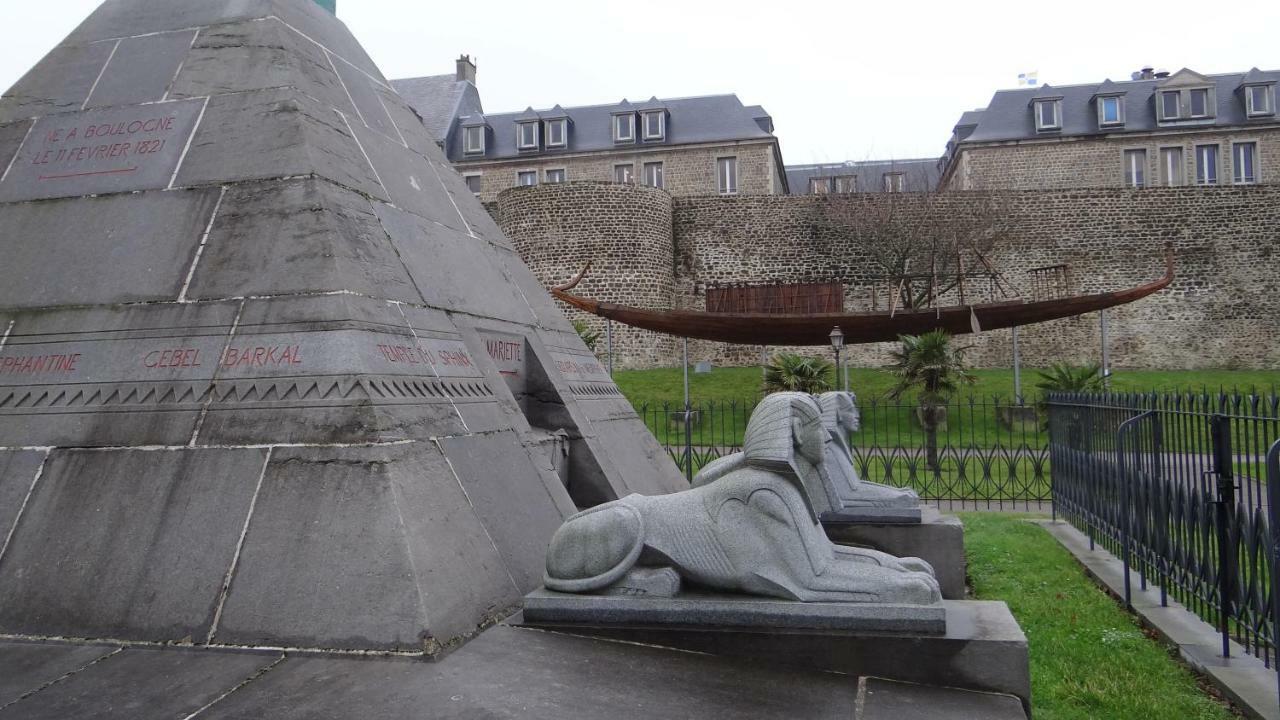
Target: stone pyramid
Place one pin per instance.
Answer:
(269, 374)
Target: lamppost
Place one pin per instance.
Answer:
(837, 344)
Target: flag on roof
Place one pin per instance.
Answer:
(1028, 78)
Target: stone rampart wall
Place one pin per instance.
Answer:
(1223, 309)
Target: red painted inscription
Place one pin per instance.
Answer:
(505, 351)
(262, 356)
(405, 354)
(172, 358)
(67, 150)
(38, 364)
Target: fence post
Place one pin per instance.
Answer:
(688, 415)
(1128, 428)
(1273, 517)
(1220, 431)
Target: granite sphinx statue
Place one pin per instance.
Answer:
(847, 494)
(751, 529)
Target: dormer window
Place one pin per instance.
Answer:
(1048, 114)
(624, 128)
(895, 182)
(847, 184)
(527, 136)
(1170, 105)
(557, 135)
(655, 125)
(1200, 103)
(1110, 111)
(819, 186)
(473, 140)
(1259, 100)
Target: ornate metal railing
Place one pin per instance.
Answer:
(987, 453)
(1179, 486)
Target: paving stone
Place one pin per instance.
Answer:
(511, 673)
(60, 83)
(324, 238)
(332, 555)
(127, 544)
(141, 684)
(888, 700)
(132, 248)
(141, 69)
(501, 480)
(27, 667)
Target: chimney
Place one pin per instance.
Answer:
(1147, 73)
(1162, 74)
(466, 69)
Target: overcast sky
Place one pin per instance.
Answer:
(843, 80)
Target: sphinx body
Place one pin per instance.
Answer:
(840, 417)
(750, 530)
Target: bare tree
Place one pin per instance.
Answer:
(924, 244)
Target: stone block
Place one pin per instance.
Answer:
(103, 150)
(128, 544)
(363, 548)
(409, 180)
(18, 469)
(268, 134)
(11, 137)
(256, 55)
(731, 611)
(497, 474)
(60, 83)
(983, 649)
(141, 69)
(133, 248)
(443, 265)
(324, 238)
(889, 700)
(938, 539)
(874, 515)
(138, 683)
(369, 107)
(29, 666)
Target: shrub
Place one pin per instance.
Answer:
(796, 373)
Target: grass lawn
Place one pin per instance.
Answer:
(743, 383)
(1089, 658)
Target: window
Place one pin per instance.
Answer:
(1258, 100)
(1169, 105)
(556, 132)
(527, 136)
(1244, 163)
(624, 128)
(653, 174)
(727, 175)
(1206, 164)
(895, 182)
(555, 176)
(1171, 167)
(527, 177)
(847, 184)
(655, 125)
(819, 186)
(1110, 111)
(623, 173)
(1200, 103)
(473, 183)
(473, 140)
(1048, 114)
(1135, 168)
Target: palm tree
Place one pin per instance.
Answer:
(795, 373)
(931, 366)
(1062, 377)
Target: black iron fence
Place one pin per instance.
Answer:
(978, 452)
(1178, 486)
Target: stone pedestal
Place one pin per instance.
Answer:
(982, 649)
(938, 539)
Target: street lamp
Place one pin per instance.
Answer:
(837, 344)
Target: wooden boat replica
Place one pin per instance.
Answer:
(755, 328)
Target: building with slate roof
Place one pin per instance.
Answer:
(874, 176)
(688, 146)
(441, 99)
(1157, 129)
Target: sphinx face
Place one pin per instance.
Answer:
(811, 439)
